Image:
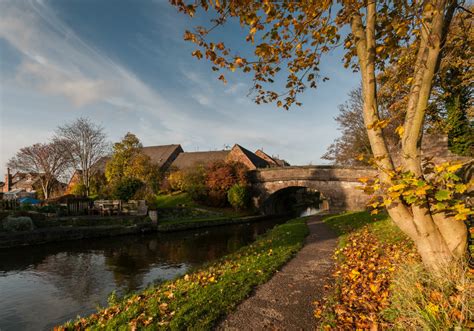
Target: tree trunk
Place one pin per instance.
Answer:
(438, 239)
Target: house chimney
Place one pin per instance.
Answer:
(8, 181)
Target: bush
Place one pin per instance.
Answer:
(14, 224)
(48, 209)
(220, 177)
(79, 189)
(194, 184)
(177, 181)
(239, 196)
(126, 188)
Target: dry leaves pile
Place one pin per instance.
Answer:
(362, 276)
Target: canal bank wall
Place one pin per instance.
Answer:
(57, 234)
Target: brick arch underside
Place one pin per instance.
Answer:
(341, 195)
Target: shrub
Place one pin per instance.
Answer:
(194, 184)
(79, 189)
(14, 224)
(48, 209)
(126, 188)
(220, 177)
(239, 196)
(177, 181)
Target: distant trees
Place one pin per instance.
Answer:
(84, 143)
(354, 140)
(47, 161)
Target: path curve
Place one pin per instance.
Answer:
(285, 301)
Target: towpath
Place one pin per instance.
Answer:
(285, 302)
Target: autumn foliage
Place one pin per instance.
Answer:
(363, 273)
(210, 185)
(221, 176)
(379, 282)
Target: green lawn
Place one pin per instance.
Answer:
(197, 300)
(174, 200)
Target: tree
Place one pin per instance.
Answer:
(45, 160)
(84, 143)
(128, 161)
(220, 177)
(295, 34)
(239, 196)
(354, 140)
(126, 187)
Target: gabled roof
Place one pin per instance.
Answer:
(270, 160)
(190, 159)
(257, 161)
(281, 162)
(161, 155)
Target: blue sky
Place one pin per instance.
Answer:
(125, 65)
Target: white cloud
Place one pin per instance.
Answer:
(50, 79)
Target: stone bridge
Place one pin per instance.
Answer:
(337, 185)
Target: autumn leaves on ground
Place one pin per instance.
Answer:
(380, 283)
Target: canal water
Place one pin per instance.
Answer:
(45, 285)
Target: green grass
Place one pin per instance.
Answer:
(181, 208)
(174, 200)
(344, 224)
(199, 299)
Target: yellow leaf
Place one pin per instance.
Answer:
(400, 130)
(454, 167)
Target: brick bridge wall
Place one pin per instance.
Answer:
(337, 184)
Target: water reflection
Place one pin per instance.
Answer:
(41, 286)
(308, 211)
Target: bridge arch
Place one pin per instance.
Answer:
(338, 185)
(291, 199)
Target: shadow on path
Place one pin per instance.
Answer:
(285, 301)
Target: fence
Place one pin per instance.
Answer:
(9, 205)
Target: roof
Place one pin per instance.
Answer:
(161, 155)
(257, 161)
(266, 157)
(191, 159)
(22, 180)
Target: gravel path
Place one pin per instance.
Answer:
(285, 302)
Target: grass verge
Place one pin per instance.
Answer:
(380, 283)
(198, 299)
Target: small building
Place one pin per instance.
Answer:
(28, 183)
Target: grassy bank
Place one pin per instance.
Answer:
(198, 299)
(180, 206)
(379, 282)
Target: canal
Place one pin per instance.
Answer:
(45, 285)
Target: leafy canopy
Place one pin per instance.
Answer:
(293, 35)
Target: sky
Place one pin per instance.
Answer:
(124, 64)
